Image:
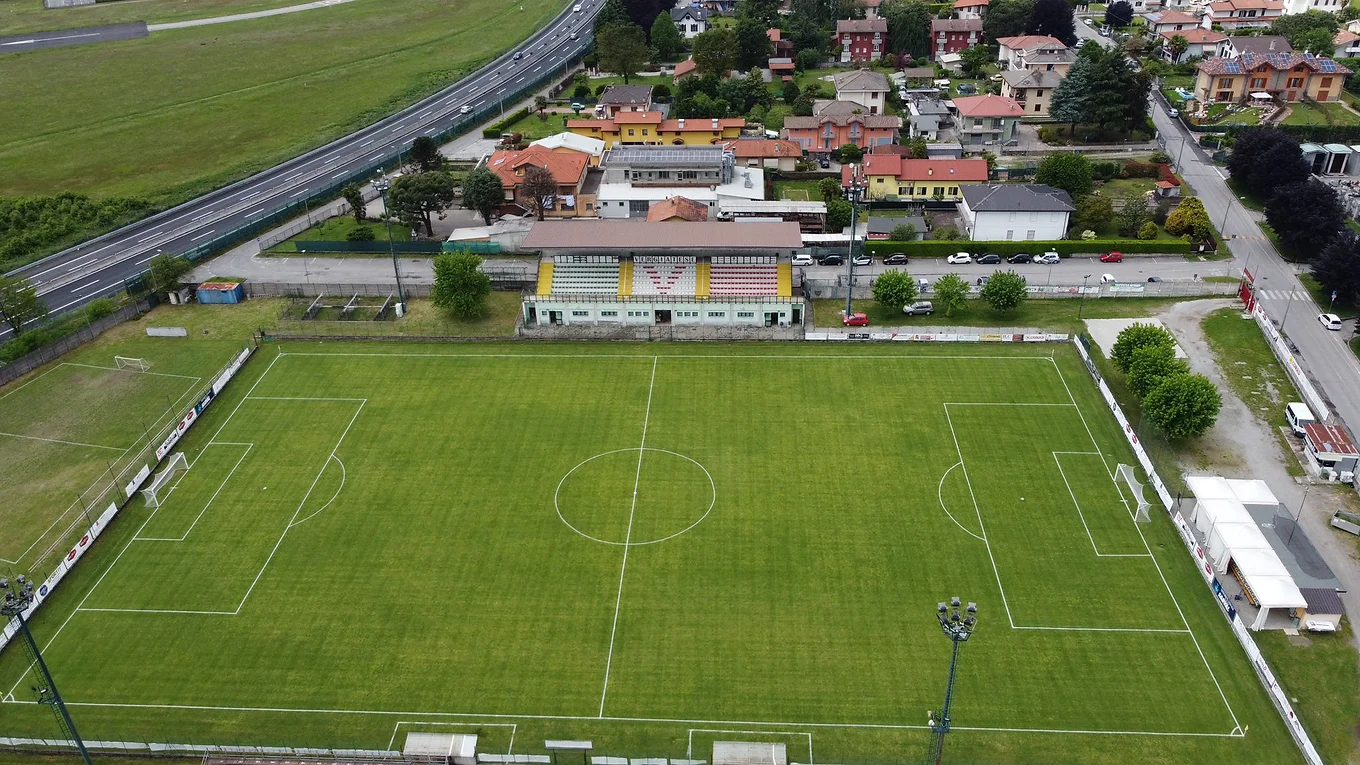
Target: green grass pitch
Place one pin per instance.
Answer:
(652, 547)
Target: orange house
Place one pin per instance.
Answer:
(568, 168)
(1287, 77)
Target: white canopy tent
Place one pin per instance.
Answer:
(1252, 492)
(1210, 512)
(1230, 538)
(1209, 487)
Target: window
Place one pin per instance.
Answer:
(953, 191)
(746, 314)
(1295, 82)
(977, 123)
(717, 314)
(691, 174)
(1258, 82)
(1029, 234)
(939, 191)
(630, 131)
(1225, 82)
(878, 180)
(1326, 82)
(580, 313)
(1037, 107)
(608, 313)
(1039, 93)
(1010, 234)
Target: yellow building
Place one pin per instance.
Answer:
(650, 128)
(1287, 77)
(906, 178)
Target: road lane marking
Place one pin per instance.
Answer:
(200, 236)
(85, 286)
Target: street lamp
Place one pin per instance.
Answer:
(18, 597)
(1081, 302)
(855, 193)
(382, 185)
(958, 629)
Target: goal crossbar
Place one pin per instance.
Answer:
(1125, 474)
(159, 488)
(127, 362)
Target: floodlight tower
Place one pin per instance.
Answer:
(958, 629)
(17, 598)
(855, 194)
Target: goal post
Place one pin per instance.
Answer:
(156, 492)
(127, 362)
(1124, 474)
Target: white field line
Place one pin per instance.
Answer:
(120, 451)
(134, 371)
(628, 538)
(27, 383)
(1082, 515)
(512, 726)
(211, 499)
(981, 526)
(658, 720)
(343, 477)
(689, 748)
(676, 357)
(940, 495)
(1236, 723)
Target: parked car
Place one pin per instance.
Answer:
(1154, 279)
(989, 259)
(863, 260)
(823, 161)
(1112, 257)
(1330, 321)
(831, 260)
(855, 320)
(895, 259)
(1047, 258)
(802, 260)
(1107, 278)
(919, 308)
(982, 281)
(1019, 257)
(959, 258)
(923, 285)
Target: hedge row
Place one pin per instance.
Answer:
(936, 248)
(495, 129)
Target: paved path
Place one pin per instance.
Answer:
(244, 16)
(79, 36)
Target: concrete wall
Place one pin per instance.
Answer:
(654, 332)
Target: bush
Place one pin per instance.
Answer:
(495, 129)
(661, 93)
(1140, 170)
(1147, 231)
(100, 307)
(1104, 171)
(360, 234)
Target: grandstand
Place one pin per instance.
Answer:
(736, 275)
(664, 275)
(586, 275)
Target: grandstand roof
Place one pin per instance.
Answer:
(631, 234)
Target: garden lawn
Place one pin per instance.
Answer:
(1321, 114)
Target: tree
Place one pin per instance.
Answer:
(666, 37)
(539, 190)
(894, 289)
(352, 194)
(414, 198)
(1135, 336)
(1178, 46)
(361, 233)
(1119, 14)
(975, 59)
(1093, 213)
(903, 232)
(791, 92)
(1190, 218)
(424, 154)
(540, 104)
(612, 12)
(1131, 216)
(851, 153)
(753, 43)
(837, 215)
(483, 192)
(1296, 27)
(715, 51)
(622, 49)
(19, 303)
(830, 188)
(1072, 97)
(1005, 291)
(950, 292)
(1264, 159)
(1118, 93)
(1053, 18)
(1150, 365)
(1147, 231)
(166, 269)
(1183, 405)
(1007, 18)
(1337, 268)
(1305, 216)
(460, 287)
(908, 26)
(803, 106)
(1069, 172)
(1316, 41)
(919, 148)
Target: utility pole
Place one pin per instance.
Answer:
(382, 185)
(1081, 302)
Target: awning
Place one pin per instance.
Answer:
(1264, 96)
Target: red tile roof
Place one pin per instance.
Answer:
(1345, 36)
(988, 106)
(1029, 42)
(763, 148)
(969, 3)
(685, 67)
(902, 168)
(1197, 36)
(624, 234)
(861, 26)
(567, 167)
(1244, 5)
(677, 207)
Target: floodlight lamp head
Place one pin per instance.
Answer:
(972, 607)
(940, 608)
(954, 601)
(969, 622)
(954, 617)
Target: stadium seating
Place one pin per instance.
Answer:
(585, 278)
(736, 280)
(664, 278)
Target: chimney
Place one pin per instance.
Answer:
(715, 123)
(682, 123)
(1272, 44)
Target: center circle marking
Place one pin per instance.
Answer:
(713, 497)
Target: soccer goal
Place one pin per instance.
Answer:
(1125, 474)
(160, 487)
(127, 362)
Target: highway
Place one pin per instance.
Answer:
(97, 268)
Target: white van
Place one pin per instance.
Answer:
(1107, 278)
(1298, 415)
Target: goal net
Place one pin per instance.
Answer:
(160, 486)
(126, 362)
(1124, 474)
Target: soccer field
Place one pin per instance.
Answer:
(653, 547)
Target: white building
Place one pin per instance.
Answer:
(636, 177)
(691, 20)
(1015, 211)
(864, 87)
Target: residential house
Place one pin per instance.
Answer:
(1171, 21)
(861, 40)
(917, 76)
(895, 175)
(636, 177)
(650, 128)
(1347, 44)
(1230, 15)
(870, 8)
(925, 118)
(1015, 211)
(570, 142)
(568, 169)
(781, 68)
(823, 133)
(691, 20)
(864, 87)
(1032, 89)
(684, 69)
(677, 208)
(1259, 45)
(780, 47)
(970, 9)
(1200, 43)
(1326, 6)
(952, 62)
(771, 153)
(1049, 59)
(624, 98)
(1011, 50)
(1288, 77)
(987, 121)
(954, 35)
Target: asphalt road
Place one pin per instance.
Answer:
(1069, 271)
(81, 36)
(97, 268)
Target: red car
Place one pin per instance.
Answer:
(1112, 257)
(855, 320)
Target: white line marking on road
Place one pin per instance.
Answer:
(365, 143)
(342, 172)
(200, 236)
(202, 215)
(46, 39)
(297, 193)
(85, 286)
(253, 213)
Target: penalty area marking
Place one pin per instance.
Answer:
(514, 727)
(689, 748)
(940, 495)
